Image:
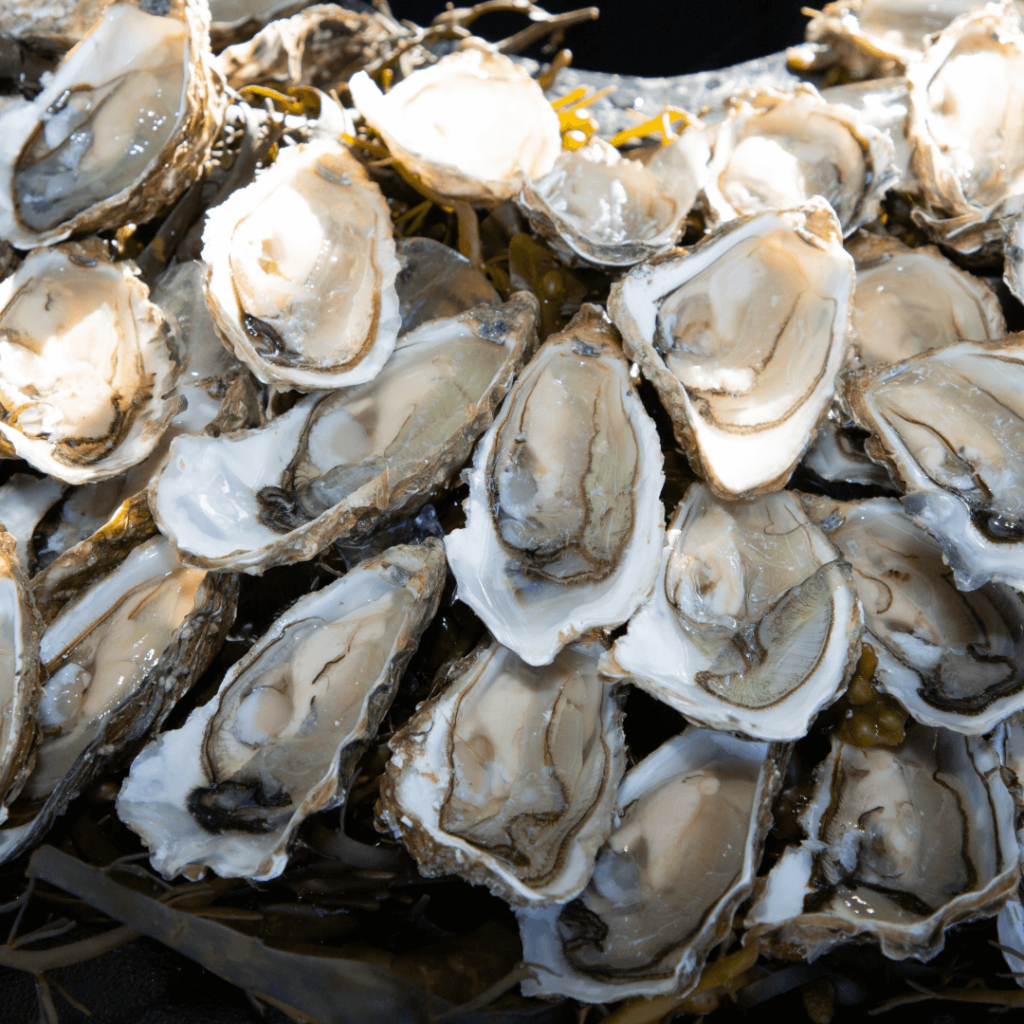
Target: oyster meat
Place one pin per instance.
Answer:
(753, 625)
(340, 463)
(301, 271)
(742, 337)
(282, 737)
(119, 131)
(683, 856)
(508, 777)
(86, 364)
(563, 522)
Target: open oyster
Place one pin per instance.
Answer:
(774, 151)
(598, 205)
(753, 625)
(949, 423)
(469, 126)
(903, 842)
(19, 674)
(964, 126)
(683, 856)
(341, 463)
(742, 337)
(118, 132)
(282, 737)
(563, 522)
(508, 777)
(951, 658)
(909, 300)
(24, 500)
(86, 364)
(301, 271)
(128, 629)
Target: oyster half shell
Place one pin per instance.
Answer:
(508, 777)
(753, 625)
(119, 131)
(301, 271)
(538, 566)
(281, 739)
(86, 364)
(682, 857)
(742, 337)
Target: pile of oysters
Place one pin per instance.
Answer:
(721, 407)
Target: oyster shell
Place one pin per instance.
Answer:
(952, 659)
(341, 463)
(86, 364)
(683, 856)
(949, 424)
(608, 210)
(742, 337)
(470, 126)
(909, 300)
(968, 139)
(122, 127)
(301, 271)
(24, 500)
(837, 455)
(282, 738)
(563, 522)
(508, 777)
(116, 655)
(774, 151)
(19, 674)
(904, 842)
(753, 625)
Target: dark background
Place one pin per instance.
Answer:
(638, 37)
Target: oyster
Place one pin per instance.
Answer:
(122, 127)
(742, 337)
(281, 739)
(608, 210)
(903, 842)
(838, 455)
(508, 777)
(1013, 255)
(683, 856)
(952, 659)
(19, 674)
(949, 424)
(964, 126)
(753, 625)
(116, 656)
(301, 271)
(470, 126)
(774, 151)
(24, 501)
(563, 522)
(86, 364)
(909, 300)
(341, 463)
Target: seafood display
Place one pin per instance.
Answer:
(511, 565)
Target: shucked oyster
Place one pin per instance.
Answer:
(774, 151)
(742, 336)
(128, 629)
(964, 125)
(909, 300)
(340, 463)
(19, 673)
(508, 777)
(469, 126)
(86, 364)
(283, 735)
(753, 625)
(683, 856)
(301, 271)
(903, 842)
(119, 131)
(949, 424)
(563, 522)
